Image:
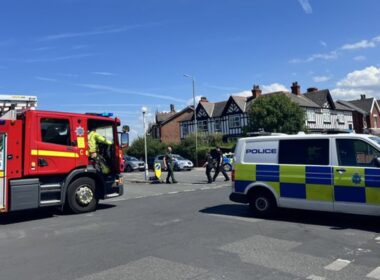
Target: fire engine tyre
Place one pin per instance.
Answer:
(262, 203)
(81, 195)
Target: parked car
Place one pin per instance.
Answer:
(180, 163)
(132, 164)
(228, 160)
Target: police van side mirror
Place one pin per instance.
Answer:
(124, 139)
(377, 162)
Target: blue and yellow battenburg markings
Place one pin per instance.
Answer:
(314, 183)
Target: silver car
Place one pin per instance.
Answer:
(132, 164)
(180, 163)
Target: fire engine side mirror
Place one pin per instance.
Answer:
(124, 139)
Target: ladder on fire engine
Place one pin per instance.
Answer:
(11, 105)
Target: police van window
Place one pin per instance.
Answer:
(353, 152)
(55, 131)
(304, 151)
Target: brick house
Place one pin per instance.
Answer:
(167, 124)
(368, 114)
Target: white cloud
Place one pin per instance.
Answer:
(99, 31)
(58, 58)
(244, 93)
(321, 79)
(364, 81)
(190, 101)
(305, 4)
(367, 77)
(108, 89)
(360, 58)
(363, 44)
(265, 88)
(349, 93)
(323, 43)
(274, 87)
(318, 56)
(45, 79)
(103, 73)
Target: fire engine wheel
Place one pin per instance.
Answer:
(81, 196)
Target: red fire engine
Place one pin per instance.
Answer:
(44, 161)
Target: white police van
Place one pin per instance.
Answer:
(334, 172)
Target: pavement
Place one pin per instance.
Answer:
(188, 230)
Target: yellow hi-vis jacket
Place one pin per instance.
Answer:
(93, 139)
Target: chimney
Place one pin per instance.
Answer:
(362, 96)
(203, 99)
(172, 108)
(256, 91)
(296, 89)
(312, 89)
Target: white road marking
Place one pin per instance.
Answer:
(315, 277)
(205, 188)
(140, 196)
(377, 238)
(157, 194)
(165, 223)
(189, 190)
(248, 219)
(337, 265)
(375, 274)
(172, 192)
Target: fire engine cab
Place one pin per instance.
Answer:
(44, 159)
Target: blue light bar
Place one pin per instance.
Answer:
(101, 114)
(107, 114)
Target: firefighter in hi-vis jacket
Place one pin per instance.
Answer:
(94, 139)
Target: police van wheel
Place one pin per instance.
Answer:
(81, 195)
(262, 204)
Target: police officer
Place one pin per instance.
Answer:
(209, 164)
(94, 139)
(219, 165)
(169, 165)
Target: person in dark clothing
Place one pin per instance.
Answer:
(209, 164)
(219, 165)
(169, 165)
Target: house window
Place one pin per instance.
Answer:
(311, 116)
(202, 126)
(326, 117)
(185, 129)
(217, 126)
(234, 121)
(341, 118)
(375, 121)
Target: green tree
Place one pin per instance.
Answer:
(276, 113)
(154, 147)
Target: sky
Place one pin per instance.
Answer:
(120, 55)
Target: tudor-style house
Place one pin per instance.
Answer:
(230, 117)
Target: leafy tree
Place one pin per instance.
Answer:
(276, 113)
(154, 147)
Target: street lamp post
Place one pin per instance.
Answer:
(144, 110)
(195, 119)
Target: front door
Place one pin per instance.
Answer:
(3, 180)
(356, 178)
